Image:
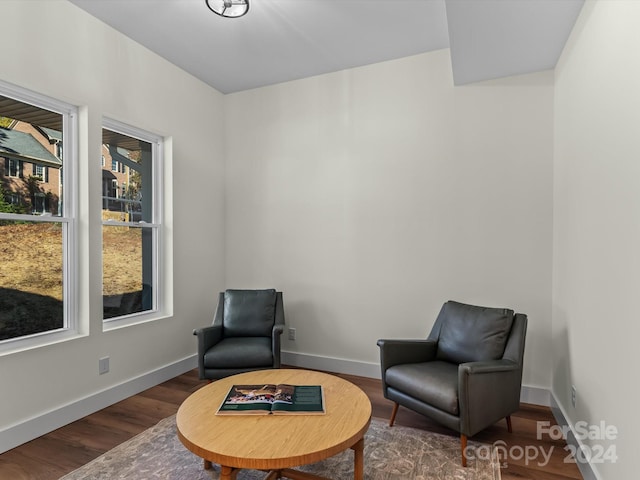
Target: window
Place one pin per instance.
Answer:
(132, 224)
(37, 221)
(13, 199)
(39, 204)
(13, 167)
(41, 171)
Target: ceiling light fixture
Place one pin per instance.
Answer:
(228, 8)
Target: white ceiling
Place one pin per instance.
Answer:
(282, 40)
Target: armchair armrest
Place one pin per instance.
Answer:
(488, 391)
(279, 319)
(278, 329)
(207, 337)
(275, 344)
(492, 366)
(395, 352)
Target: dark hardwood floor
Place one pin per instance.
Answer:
(57, 453)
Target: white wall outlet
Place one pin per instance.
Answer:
(103, 365)
(292, 334)
(574, 394)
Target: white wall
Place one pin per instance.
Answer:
(58, 50)
(370, 196)
(597, 227)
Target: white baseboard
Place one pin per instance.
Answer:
(586, 469)
(535, 396)
(25, 431)
(330, 364)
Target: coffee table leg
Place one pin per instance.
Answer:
(228, 473)
(207, 465)
(358, 460)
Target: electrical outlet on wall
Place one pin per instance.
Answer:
(103, 365)
(292, 334)
(574, 394)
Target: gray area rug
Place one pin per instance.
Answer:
(391, 453)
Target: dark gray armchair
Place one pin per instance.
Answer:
(245, 334)
(466, 375)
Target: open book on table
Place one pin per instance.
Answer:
(273, 399)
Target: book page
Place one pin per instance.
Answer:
(248, 399)
(300, 399)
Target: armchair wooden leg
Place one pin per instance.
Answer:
(393, 414)
(463, 447)
(509, 424)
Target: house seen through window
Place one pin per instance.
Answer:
(34, 226)
(130, 219)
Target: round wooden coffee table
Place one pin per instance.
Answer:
(275, 443)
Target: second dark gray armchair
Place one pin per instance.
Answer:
(466, 375)
(244, 336)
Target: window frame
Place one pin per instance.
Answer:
(156, 225)
(67, 218)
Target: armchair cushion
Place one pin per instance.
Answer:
(249, 313)
(471, 333)
(435, 383)
(236, 352)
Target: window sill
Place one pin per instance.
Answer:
(133, 319)
(22, 344)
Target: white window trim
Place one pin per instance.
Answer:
(68, 219)
(158, 309)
